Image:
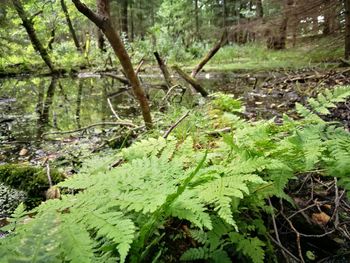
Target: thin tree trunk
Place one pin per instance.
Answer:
(210, 54)
(347, 29)
(70, 25)
(132, 25)
(124, 17)
(104, 23)
(196, 12)
(28, 25)
(259, 9)
(103, 9)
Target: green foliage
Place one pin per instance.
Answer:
(227, 103)
(325, 101)
(10, 198)
(217, 186)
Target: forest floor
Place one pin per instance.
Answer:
(319, 203)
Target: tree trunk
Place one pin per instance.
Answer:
(196, 13)
(278, 41)
(347, 29)
(70, 26)
(28, 25)
(104, 23)
(103, 9)
(224, 14)
(124, 17)
(132, 25)
(259, 9)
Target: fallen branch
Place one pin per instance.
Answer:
(218, 132)
(175, 125)
(210, 54)
(91, 126)
(121, 79)
(163, 67)
(138, 68)
(112, 109)
(194, 83)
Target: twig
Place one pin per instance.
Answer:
(283, 248)
(138, 68)
(175, 125)
(296, 233)
(48, 173)
(276, 230)
(336, 203)
(91, 126)
(306, 208)
(112, 109)
(170, 90)
(121, 79)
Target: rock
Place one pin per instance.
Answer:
(23, 152)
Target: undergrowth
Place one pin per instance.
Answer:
(217, 186)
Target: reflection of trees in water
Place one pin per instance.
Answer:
(78, 109)
(44, 111)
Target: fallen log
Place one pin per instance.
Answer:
(192, 81)
(163, 67)
(210, 54)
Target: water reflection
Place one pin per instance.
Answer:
(43, 108)
(32, 106)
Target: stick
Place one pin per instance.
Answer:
(112, 109)
(296, 233)
(121, 79)
(175, 125)
(138, 68)
(210, 54)
(276, 230)
(164, 70)
(91, 126)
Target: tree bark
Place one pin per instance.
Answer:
(104, 23)
(29, 27)
(196, 12)
(70, 26)
(194, 83)
(124, 17)
(347, 29)
(103, 9)
(211, 54)
(164, 70)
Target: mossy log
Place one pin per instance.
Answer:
(32, 180)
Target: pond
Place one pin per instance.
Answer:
(31, 107)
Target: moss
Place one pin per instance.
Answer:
(32, 180)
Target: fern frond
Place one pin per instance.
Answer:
(196, 254)
(221, 191)
(250, 247)
(75, 242)
(114, 226)
(144, 148)
(36, 242)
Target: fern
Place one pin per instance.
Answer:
(323, 102)
(250, 247)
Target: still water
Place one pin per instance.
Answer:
(33, 106)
